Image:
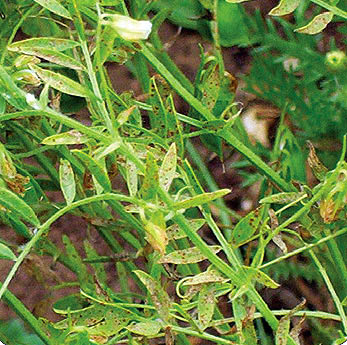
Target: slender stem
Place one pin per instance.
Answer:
(331, 8)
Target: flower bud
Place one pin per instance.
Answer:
(127, 28)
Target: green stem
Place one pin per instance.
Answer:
(331, 8)
(20, 309)
(331, 289)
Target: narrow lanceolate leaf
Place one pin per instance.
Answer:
(317, 24)
(187, 256)
(54, 56)
(67, 181)
(146, 328)
(59, 44)
(284, 7)
(200, 199)
(167, 170)
(55, 7)
(174, 232)
(6, 253)
(15, 204)
(149, 186)
(318, 168)
(260, 277)
(282, 198)
(209, 276)
(206, 306)
(95, 168)
(160, 298)
(66, 138)
(61, 83)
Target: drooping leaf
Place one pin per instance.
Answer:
(6, 253)
(206, 305)
(317, 24)
(16, 205)
(95, 168)
(284, 7)
(159, 296)
(167, 169)
(61, 83)
(67, 181)
(200, 199)
(187, 256)
(55, 7)
(55, 43)
(145, 328)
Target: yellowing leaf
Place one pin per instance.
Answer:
(187, 256)
(146, 328)
(317, 24)
(67, 181)
(66, 138)
(209, 276)
(167, 170)
(284, 7)
(174, 232)
(206, 306)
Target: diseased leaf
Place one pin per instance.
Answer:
(146, 328)
(96, 169)
(174, 232)
(317, 24)
(200, 199)
(167, 169)
(186, 256)
(53, 56)
(15, 204)
(160, 298)
(209, 276)
(260, 277)
(61, 83)
(284, 7)
(282, 198)
(156, 232)
(66, 138)
(55, 7)
(150, 182)
(67, 181)
(54, 43)
(206, 306)
(6, 253)
(318, 168)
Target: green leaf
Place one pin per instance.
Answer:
(150, 182)
(344, 302)
(53, 43)
(6, 253)
(186, 256)
(15, 204)
(67, 138)
(260, 277)
(160, 298)
(61, 83)
(317, 24)
(284, 7)
(167, 170)
(55, 7)
(95, 168)
(53, 56)
(200, 199)
(282, 198)
(67, 181)
(174, 232)
(206, 305)
(209, 276)
(146, 328)
(69, 303)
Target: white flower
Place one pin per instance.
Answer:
(127, 28)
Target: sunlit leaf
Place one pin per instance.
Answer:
(167, 169)
(6, 253)
(61, 83)
(55, 7)
(206, 305)
(66, 138)
(209, 276)
(284, 7)
(187, 256)
(174, 232)
(150, 182)
(317, 24)
(257, 275)
(15, 204)
(67, 181)
(156, 232)
(95, 168)
(146, 328)
(282, 198)
(55, 43)
(200, 199)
